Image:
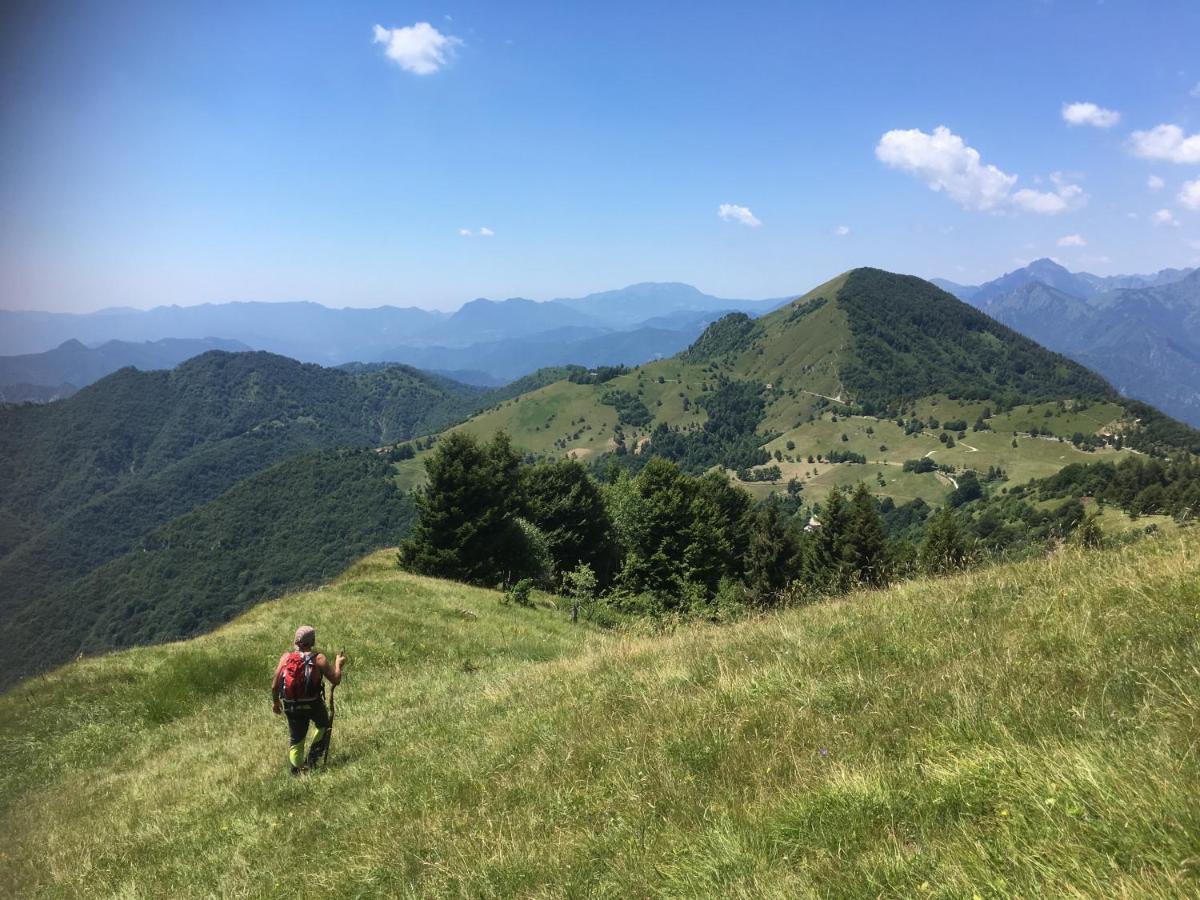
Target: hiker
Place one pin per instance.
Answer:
(298, 691)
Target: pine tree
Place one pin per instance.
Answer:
(467, 514)
(771, 554)
(865, 551)
(821, 554)
(944, 548)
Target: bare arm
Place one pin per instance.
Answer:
(334, 672)
(277, 686)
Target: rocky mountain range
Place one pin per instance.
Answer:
(1141, 332)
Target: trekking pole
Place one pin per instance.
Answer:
(329, 733)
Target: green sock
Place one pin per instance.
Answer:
(296, 754)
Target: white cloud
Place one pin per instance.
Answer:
(842, 230)
(420, 48)
(482, 232)
(1195, 91)
(1189, 195)
(464, 232)
(731, 212)
(1072, 240)
(1165, 217)
(1166, 142)
(1049, 203)
(486, 232)
(1155, 183)
(945, 163)
(1195, 245)
(1089, 114)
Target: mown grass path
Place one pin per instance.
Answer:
(1028, 730)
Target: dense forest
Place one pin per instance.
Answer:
(922, 341)
(298, 522)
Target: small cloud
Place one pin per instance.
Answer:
(464, 232)
(420, 48)
(731, 212)
(1189, 195)
(1089, 114)
(1050, 203)
(1072, 240)
(1155, 183)
(1132, 215)
(945, 162)
(482, 232)
(1195, 91)
(1195, 245)
(1166, 142)
(1165, 217)
(842, 230)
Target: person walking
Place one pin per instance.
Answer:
(298, 691)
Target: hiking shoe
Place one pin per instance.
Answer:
(295, 771)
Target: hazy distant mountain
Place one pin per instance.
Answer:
(504, 361)
(640, 302)
(1048, 272)
(305, 331)
(1142, 332)
(961, 291)
(1043, 271)
(309, 332)
(71, 365)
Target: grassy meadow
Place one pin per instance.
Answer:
(1027, 730)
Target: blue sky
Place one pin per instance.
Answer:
(155, 153)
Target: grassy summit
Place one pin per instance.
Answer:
(1024, 730)
(867, 350)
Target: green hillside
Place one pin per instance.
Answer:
(86, 481)
(1025, 730)
(872, 363)
(300, 522)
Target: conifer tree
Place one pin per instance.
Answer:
(771, 554)
(467, 524)
(865, 551)
(821, 555)
(944, 548)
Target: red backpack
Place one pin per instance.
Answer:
(301, 676)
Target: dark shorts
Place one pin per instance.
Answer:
(300, 713)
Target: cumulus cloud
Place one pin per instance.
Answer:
(1166, 142)
(1072, 240)
(945, 162)
(731, 212)
(1050, 203)
(1155, 183)
(1089, 114)
(1189, 195)
(482, 232)
(842, 230)
(1165, 217)
(420, 48)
